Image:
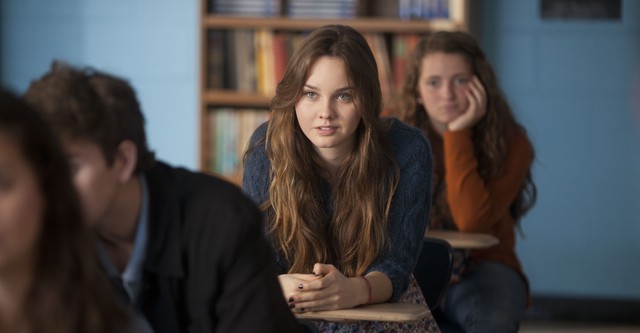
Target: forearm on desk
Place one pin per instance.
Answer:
(381, 288)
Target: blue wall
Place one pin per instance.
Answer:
(152, 43)
(570, 83)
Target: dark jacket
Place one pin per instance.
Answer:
(208, 267)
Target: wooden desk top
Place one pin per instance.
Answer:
(464, 240)
(396, 312)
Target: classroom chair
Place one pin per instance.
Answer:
(433, 270)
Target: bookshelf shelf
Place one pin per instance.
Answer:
(234, 98)
(224, 94)
(383, 25)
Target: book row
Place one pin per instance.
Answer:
(254, 60)
(404, 9)
(229, 132)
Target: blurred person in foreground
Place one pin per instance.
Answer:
(185, 249)
(50, 276)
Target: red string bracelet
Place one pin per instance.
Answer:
(368, 289)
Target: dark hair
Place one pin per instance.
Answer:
(367, 178)
(92, 105)
(491, 134)
(70, 292)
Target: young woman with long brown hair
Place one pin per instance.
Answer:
(344, 193)
(50, 278)
(482, 174)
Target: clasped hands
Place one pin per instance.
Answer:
(326, 289)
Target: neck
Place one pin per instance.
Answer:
(120, 222)
(332, 159)
(439, 128)
(331, 168)
(117, 230)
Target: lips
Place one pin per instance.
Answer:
(326, 130)
(450, 108)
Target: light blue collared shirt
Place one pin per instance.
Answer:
(132, 274)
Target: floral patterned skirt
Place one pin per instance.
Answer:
(412, 295)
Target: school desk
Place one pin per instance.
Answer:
(396, 312)
(464, 240)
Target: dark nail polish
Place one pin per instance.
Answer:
(300, 286)
(291, 305)
(302, 310)
(290, 299)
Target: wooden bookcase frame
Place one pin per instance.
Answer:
(458, 20)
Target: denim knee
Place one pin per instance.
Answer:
(491, 298)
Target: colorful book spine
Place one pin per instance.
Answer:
(229, 132)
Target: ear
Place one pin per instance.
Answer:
(125, 161)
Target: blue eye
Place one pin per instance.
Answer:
(344, 97)
(433, 83)
(310, 94)
(461, 81)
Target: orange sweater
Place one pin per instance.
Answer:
(479, 206)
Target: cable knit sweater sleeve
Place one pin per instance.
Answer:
(255, 177)
(409, 207)
(477, 205)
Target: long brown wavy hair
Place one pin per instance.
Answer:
(354, 232)
(490, 135)
(69, 293)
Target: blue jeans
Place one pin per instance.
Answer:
(490, 298)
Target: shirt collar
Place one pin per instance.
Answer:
(132, 275)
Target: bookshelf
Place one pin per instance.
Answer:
(239, 48)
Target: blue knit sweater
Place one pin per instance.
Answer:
(409, 207)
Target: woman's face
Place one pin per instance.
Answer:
(21, 208)
(326, 110)
(443, 87)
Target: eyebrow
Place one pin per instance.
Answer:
(455, 75)
(347, 88)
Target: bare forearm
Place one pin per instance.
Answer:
(381, 288)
